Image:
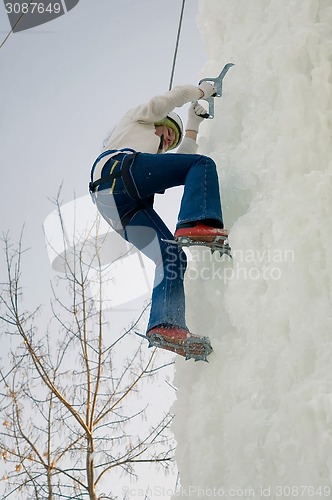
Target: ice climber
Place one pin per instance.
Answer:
(124, 179)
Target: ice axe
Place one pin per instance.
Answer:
(218, 85)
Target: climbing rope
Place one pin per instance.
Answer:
(176, 45)
(173, 70)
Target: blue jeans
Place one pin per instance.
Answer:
(150, 174)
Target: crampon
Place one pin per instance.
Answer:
(219, 244)
(203, 236)
(179, 341)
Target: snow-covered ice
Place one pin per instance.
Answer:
(257, 420)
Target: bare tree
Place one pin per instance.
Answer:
(67, 421)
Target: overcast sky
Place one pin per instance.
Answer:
(64, 85)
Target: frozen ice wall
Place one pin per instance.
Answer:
(257, 420)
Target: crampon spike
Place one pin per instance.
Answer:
(219, 244)
(195, 347)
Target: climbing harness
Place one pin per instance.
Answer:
(123, 171)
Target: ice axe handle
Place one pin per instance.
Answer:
(218, 85)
